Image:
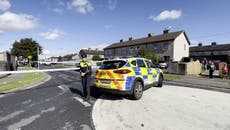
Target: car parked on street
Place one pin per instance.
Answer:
(128, 76)
(163, 65)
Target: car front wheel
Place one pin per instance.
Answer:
(160, 81)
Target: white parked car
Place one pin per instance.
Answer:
(163, 65)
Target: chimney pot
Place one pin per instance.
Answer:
(130, 39)
(213, 43)
(150, 34)
(121, 40)
(166, 31)
(200, 44)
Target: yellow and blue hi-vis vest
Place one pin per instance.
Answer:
(85, 66)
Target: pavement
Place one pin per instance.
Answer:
(203, 82)
(166, 108)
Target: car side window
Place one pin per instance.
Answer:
(140, 63)
(134, 62)
(149, 64)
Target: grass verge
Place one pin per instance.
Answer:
(172, 77)
(26, 80)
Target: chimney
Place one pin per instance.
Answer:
(200, 44)
(96, 49)
(213, 43)
(89, 49)
(130, 39)
(166, 31)
(150, 34)
(121, 40)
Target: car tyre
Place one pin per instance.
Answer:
(137, 90)
(160, 81)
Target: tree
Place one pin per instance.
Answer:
(59, 59)
(26, 47)
(96, 58)
(148, 55)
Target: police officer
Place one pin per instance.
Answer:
(85, 71)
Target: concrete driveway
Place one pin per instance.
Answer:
(167, 108)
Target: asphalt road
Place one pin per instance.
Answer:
(55, 105)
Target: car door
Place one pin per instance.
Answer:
(152, 73)
(142, 67)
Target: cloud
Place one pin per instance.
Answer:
(13, 22)
(52, 34)
(4, 5)
(46, 52)
(81, 6)
(167, 15)
(112, 4)
(58, 10)
(108, 26)
(60, 3)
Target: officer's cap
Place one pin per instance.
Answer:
(82, 54)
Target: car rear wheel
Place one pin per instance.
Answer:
(160, 81)
(137, 90)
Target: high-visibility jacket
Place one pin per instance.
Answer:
(85, 67)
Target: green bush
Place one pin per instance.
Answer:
(148, 55)
(96, 58)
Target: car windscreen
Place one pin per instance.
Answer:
(114, 64)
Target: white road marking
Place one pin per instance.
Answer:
(68, 126)
(23, 122)
(86, 104)
(85, 127)
(27, 102)
(62, 88)
(10, 116)
(66, 78)
(2, 96)
(27, 121)
(48, 110)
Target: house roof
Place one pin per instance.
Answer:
(152, 39)
(221, 47)
(93, 52)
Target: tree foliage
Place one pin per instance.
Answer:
(148, 55)
(59, 59)
(26, 47)
(96, 58)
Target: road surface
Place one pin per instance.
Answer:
(55, 105)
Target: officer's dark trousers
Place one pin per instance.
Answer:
(85, 84)
(211, 73)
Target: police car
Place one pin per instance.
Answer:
(129, 76)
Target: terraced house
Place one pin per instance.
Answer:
(170, 46)
(212, 52)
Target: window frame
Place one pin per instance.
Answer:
(139, 62)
